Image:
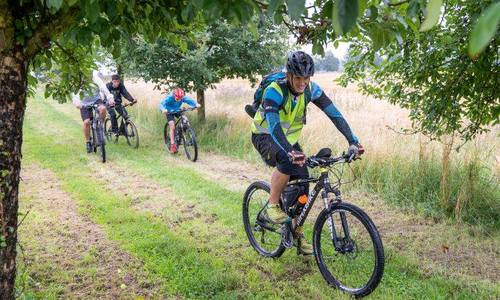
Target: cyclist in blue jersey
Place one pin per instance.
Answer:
(171, 106)
(277, 125)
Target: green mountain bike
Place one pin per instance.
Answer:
(347, 246)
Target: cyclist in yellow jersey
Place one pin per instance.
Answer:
(277, 125)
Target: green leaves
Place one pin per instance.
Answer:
(380, 36)
(53, 5)
(295, 8)
(317, 49)
(432, 13)
(273, 6)
(344, 15)
(219, 50)
(484, 29)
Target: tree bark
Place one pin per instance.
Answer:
(13, 86)
(119, 71)
(200, 97)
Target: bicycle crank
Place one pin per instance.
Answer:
(287, 235)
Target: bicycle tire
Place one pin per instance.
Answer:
(376, 241)
(166, 137)
(93, 138)
(101, 141)
(133, 133)
(190, 132)
(249, 228)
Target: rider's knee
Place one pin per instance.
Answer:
(86, 123)
(102, 109)
(171, 124)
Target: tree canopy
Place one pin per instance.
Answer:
(432, 75)
(222, 50)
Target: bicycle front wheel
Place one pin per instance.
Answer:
(349, 250)
(166, 137)
(108, 131)
(131, 134)
(101, 142)
(190, 146)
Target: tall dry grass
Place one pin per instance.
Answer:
(407, 170)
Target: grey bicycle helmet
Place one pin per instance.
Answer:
(300, 63)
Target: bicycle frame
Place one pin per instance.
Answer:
(323, 185)
(95, 116)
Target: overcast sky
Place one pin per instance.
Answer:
(339, 52)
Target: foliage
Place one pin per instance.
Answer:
(221, 50)
(431, 74)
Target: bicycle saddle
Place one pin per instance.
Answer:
(324, 153)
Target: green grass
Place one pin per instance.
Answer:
(217, 261)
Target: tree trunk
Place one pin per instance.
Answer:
(13, 84)
(200, 97)
(119, 71)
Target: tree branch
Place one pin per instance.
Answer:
(47, 30)
(399, 3)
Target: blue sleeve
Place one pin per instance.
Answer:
(189, 101)
(165, 103)
(271, 94)
(162, 104)
(316, 91)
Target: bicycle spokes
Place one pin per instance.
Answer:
(348, 253)
(264, 236)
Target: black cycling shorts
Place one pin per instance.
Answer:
(86, 111)
(274, 156)
(173, 116)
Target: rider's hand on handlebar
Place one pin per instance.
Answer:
(355, 151)
(297, 157)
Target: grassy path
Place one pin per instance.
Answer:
(184, 224)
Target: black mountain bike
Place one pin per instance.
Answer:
(97, 135)
(183, 135)
(347, 246)
(126, 128)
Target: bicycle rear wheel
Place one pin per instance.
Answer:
(131, 134)
(189, 141)
(263, 235)
(348, 248)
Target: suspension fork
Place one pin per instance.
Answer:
(330, 223)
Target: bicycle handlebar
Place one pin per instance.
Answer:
(313, 161)
(130, 103)
(188, 109)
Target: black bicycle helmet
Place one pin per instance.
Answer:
(300, 63)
